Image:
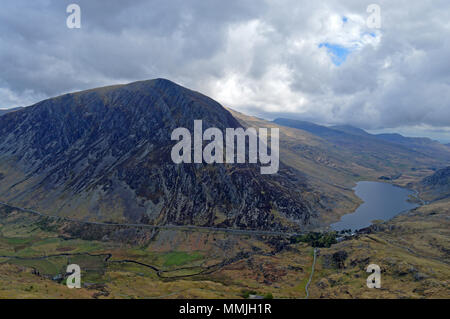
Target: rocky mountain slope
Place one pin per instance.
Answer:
(436, 186)
(104, 154)
(5, 111)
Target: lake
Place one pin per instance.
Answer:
(382, 201)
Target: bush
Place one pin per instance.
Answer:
(316, 239)
(246, 293)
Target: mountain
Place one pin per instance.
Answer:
(104, 155)
(315, 129)
(419, 144)
(391, 147)
(436, 186)
(5, 111)
(400, 139)
(350, 129)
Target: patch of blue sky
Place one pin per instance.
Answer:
(372, 34)
(337, 53)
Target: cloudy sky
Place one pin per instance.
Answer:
(312, 60)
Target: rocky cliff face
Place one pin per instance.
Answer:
(104, 154)
(436, 186)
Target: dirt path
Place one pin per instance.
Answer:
(311, 275)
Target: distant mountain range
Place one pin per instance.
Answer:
(350, 129)
(352, 137)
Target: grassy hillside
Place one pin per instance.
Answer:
(412, 251)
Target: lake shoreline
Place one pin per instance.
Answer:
(381, 201)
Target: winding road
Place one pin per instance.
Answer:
(176, 227)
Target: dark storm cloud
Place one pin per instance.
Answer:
(116, 41)
(264, 57)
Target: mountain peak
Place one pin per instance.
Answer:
(158, 82)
